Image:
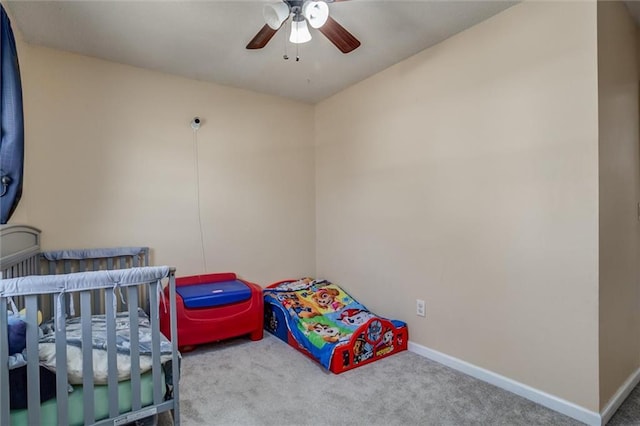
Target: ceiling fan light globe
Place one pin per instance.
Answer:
(299, 32)
(316, 12)
(275, 14)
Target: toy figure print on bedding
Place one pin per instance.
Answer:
(320, 318)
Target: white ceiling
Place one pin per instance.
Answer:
(206, 40)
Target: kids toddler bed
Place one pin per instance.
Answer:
(322, 321)
(107, 365)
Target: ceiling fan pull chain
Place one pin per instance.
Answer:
(297, 53)
(285, 56)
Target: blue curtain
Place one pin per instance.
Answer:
(11, 122)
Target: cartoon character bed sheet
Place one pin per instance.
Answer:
(323, 321)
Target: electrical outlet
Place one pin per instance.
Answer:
(420, 308)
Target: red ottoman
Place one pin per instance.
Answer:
(214, 307)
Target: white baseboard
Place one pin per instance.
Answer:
(618, 398)
(550, 401)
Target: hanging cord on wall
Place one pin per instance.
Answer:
(195, 125)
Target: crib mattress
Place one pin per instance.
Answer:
(49, 413)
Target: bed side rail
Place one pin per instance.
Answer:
(114, 283)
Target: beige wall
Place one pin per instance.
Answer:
(110, 161)
(467, 176)
(619, 194)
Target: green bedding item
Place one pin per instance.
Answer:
(321, 329)
(49, 409)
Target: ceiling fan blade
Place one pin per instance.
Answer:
(339, 36)
(262, 38)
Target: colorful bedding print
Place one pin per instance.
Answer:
(322, 316)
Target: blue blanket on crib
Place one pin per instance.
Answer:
(17, 331)
(99, 334)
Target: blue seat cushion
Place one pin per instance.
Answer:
(214, 294)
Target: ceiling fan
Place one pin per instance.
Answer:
(301, 12)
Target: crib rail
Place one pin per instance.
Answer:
(69, 261)
(111, 283)
(29, 261)
(19, 251)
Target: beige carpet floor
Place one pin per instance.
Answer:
(240, 382)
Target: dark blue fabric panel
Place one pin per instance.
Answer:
(11, 121)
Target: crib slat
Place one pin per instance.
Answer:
(112, 364)
(4, 360)
(175, 363)
(62, 395)
(142, 290)
(132, 294)
(96, 301)
(142, 259)
(154, 316)
(87, 357)
(33, 367)
(146, 256)
(52, 306)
